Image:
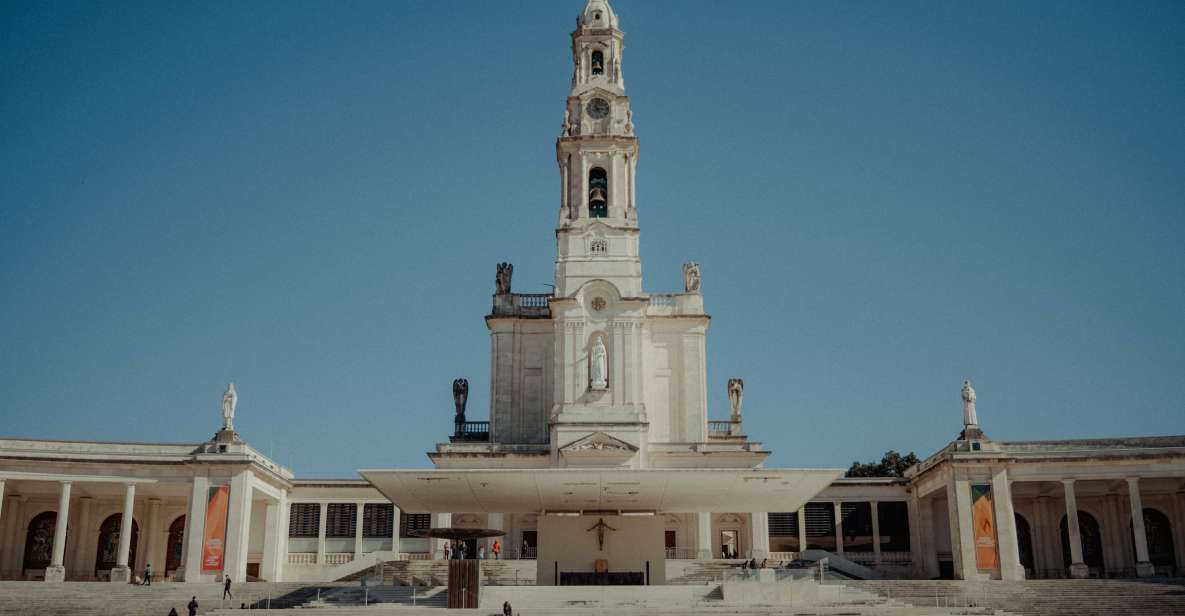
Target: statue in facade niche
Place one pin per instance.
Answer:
(230, 399)
(502, 280)
(736, 395)
(567, 129)
(969, 418)
(460, 397)
(598, 359)
(691, 278)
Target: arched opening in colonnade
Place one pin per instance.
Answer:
(107, 552)
(1092, 541)
(1024, 542)
(39, 540)
(176, 545)
(1159, 532)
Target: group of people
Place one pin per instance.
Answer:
(457, 550)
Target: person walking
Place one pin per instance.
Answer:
(481, 552)
(525, 548)
(506, 609)
(226, 589)
(148, 574)
(497, 548)
(193, 606)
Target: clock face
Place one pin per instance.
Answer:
(598, 108)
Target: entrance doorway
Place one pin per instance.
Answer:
(530, 545)
(669, 540)
(176, 545)
(729, 544)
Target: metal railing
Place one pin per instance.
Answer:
(677, 553)
(471, 431)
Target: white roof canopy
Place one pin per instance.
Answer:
(615, 489)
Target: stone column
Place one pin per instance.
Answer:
(153, 542)
(802, 529)
(1009, 548)
(876, 533)
(1144, 567)
(321, 533)
(195, 530)
(838, 527)
(1179, 530)
(11, 558)
(238, 525)
(496, 521)
(1042, 547)
(396, 521)
(703, 535)
(121, 573)
(1078, 569)
(758, 535)
(270, 568)
(56, 572)
(441, 520)
(359, 513)
(927, 541)
(965, 557)
(1, 503)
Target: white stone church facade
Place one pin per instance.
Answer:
(598, 416)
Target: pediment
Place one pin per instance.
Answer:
(597, 92)
(599, 442)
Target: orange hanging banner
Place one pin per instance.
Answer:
(984, 524)
(214, 540)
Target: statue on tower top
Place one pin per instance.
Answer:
(230, 399)
(968, 393)
(502, 280)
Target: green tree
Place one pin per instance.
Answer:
(892, 464)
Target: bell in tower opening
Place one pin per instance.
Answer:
(598, 63)
(598, 193)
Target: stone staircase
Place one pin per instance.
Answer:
(1160, 597)
(700, 572)
(107, 599)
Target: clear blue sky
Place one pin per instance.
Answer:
(309, 198)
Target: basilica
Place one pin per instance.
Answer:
(598, 456)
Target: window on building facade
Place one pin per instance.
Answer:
(409, 522)
(783, 524)
(599, 246)
(893, 518)
(377, 519)
(341, 520)
(857, 527)
(304, 519)
(820, 526)
(598, 193)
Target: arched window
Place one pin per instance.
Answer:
(1159, 532)
(1092, 541)
(176, 545)
(598, 193)
(39, 540)
(107, 552)
(598, 63)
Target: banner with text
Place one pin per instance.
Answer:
(214, 541)
(984, 524)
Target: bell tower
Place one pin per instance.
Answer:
(597, 153)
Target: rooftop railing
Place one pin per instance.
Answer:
(724, 428)
(522, 305)
(471, 432)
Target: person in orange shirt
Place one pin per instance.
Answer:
(497, 549)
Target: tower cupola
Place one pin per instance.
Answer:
(597, 14)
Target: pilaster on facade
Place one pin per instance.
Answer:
(1008, 546)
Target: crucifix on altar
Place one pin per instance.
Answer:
(601, 527)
